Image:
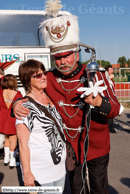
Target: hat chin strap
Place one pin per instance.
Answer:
(64, 71)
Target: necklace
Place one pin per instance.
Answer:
(42, 100)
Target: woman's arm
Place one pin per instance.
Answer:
(18, 110)
(23, 137)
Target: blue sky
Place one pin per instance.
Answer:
(104, 24)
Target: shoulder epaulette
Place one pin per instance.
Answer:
(102, 69)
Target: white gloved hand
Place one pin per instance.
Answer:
(95, 89)
(121, 109)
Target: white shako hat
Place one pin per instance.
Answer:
(60, 34)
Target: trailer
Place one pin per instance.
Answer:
(21, 39)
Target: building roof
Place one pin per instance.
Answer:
(116, 66)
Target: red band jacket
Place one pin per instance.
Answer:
(76, 114)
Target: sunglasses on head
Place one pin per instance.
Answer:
(38, 76)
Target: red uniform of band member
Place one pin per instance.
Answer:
(75, 113)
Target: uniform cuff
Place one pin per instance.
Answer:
(105, 107)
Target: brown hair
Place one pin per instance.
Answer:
(107, 67)
(9, 81)
(27, 69)
(1, 71)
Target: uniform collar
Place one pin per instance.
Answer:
(72, 74)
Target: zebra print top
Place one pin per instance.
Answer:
(47, 149)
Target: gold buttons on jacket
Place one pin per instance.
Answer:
(102, 113)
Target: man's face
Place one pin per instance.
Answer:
(66, 62)
(110, 71)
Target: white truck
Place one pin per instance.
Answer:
(20, 40)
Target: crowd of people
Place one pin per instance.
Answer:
(53, 115)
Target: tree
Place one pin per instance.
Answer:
(128, 62)
(103, 63)
(122, 61)
(86, 62)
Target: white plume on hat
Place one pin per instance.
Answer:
(61, 34)
(53, 7)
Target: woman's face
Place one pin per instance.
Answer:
(39, 80)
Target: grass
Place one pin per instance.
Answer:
(126, 104)
(120, 79)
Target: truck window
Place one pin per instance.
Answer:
(20, 30)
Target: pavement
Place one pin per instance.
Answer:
(119, 164)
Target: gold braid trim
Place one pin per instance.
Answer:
(61, 38)
(63, 48)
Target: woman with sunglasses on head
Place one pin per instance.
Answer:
(41, 140)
